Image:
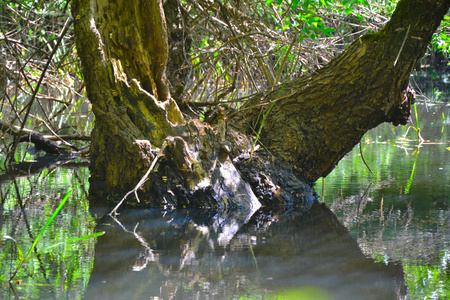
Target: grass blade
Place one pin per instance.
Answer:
(53, 216)
(70, 241)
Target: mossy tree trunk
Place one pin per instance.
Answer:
(314, 120)
(120, 41)
(123, 47)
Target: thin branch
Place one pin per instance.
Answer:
(362, 157)
(142, 181)
(10, 156)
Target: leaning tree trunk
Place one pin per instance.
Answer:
(315, 120)
(312, 123)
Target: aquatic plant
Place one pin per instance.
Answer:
(31, 253)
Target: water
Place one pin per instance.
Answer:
(376, 236)
(191, 254)
(401, 212)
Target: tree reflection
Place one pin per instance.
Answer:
(193, 254)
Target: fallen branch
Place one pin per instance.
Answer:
(14, 130)
(142, 181)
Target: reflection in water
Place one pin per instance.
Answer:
(405, 214)
(192, 254)
(27, 203)
(399, 213)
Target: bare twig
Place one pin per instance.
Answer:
(142, 181)
(362, 157)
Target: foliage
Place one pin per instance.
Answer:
(23, 258)
(428, 281)
(441, 39)
(243, 47)
(240, 48)
(28, 204)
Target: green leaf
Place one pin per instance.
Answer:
(295, 4)
(8, 237)
(324, 3)
(314, 20)
(53, 216)
(327, 31)
(361, 19)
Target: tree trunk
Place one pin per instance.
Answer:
(123, 49)
(313, 122)
(316, 120)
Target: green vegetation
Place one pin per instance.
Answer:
(30, 217)
(23, 258)
(428, 281)
(281, 40)
(396, 213)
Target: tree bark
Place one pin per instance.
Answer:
(313, 121)
(316, 120)
(125, 112)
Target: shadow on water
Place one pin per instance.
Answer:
(195, 254)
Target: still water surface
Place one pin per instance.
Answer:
(384, 235)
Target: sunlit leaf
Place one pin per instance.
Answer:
(315, 20)
(361, 19)
(327, 31)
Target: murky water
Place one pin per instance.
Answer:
(384, 235)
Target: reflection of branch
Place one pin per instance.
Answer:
(366, 192)
(30, 234)
(147, 256)
(38, 165)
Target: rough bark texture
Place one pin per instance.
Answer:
(316, 120)
(115, 132)
(135, 34)
(124, 58)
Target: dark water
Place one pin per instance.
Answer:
(376, 236)
(194, 255)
